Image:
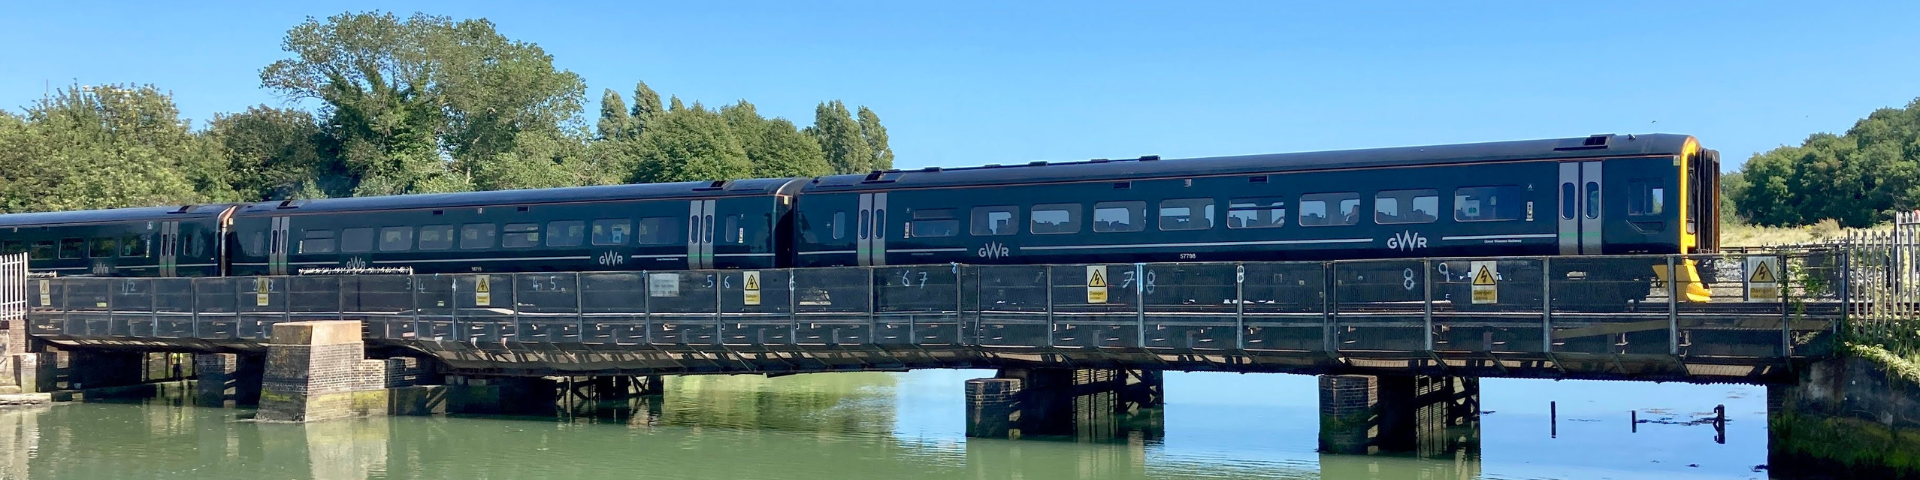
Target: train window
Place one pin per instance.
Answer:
(11, 247)
(72, 248)
(937, 222)
(1488, 204)
(998, 220)
(839, 225)
(1055, 218)
(42, 250)
(1646, 197)
(612, 231)
(103, 247)
(733, 232)
(356, 240)
(1593, 200)
(1117, 217)
(1406, 206)
(566, 233)
(316, 241)
(1329, 209)
(1259, 212)
(396, 239)
(477, 236)
(1567, 199)
(863, 225)
(134, 246)
(436, 237)
(1186, 214)
(520, 235)
(657, 231)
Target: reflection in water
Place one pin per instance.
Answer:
(883, 425)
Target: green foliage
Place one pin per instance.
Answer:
(412, 104)
(840, 139)
(686, 144)
(1859, 178)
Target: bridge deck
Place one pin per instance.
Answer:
(1608, 317)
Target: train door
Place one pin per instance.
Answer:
(1580, 212)
(277, 246)
(872, 247)
(169, 249)
(700, 234)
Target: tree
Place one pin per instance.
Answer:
(540, 160)
(776, 148)
(110, 146)
(876, 137)
(1858, 179)
(277, 153)
(614, 120)
(404, 96)
(840, 140)
(646, 104)
(689, 145)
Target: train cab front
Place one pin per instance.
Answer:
(1699, 180)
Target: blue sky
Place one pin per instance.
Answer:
(968, 83)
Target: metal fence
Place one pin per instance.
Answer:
(1885, 280)
(13, 286)
(1540, 305)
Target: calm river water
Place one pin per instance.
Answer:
(897, 426)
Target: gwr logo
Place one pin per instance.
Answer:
(995, 250)
(611, 259)
(1406, 241)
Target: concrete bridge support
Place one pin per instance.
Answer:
(228, 379)
(1363, 414)
(1093, 404)
(1845, 417)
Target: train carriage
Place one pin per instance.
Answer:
(671, 226)
(127, 242)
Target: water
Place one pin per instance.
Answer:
(896, 425)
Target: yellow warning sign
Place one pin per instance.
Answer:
(483, 290)
(46, 293)
(1486, 282)
(1763, 278)
(1096, 284)
(262, 287)
(752, 287)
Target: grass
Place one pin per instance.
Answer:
(1744, 235)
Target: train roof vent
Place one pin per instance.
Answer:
(886, 176)
(1149, 158)
(288, 203)
(1037, 163)
(716, 185)
(182, 209)
(1590, 143)
(931, 169)
(1099, 160)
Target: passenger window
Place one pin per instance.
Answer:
(733, 233)
(73, 248)
(396, 239)
(11, 247)
(520, 235)
(1257, 212)
(42, 250)
(1645, 197)
(1593, 200)
(1329, 209)
(356, 240)
(612, 231)
(477, 236)
(316, 241)
(1406, 206)
(999, 220)
(436, 237)
(657, 231)
(103, 248)
(1567, 200)
(932, 223)
(1055, 218)
(134, 246)
(566, 233)
(839, 225)
(1186, 214)
(1117, 217)
(1488, 204)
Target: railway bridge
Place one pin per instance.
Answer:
(1390, 337)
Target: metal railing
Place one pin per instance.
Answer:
(13, 286)
(1537, 305)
